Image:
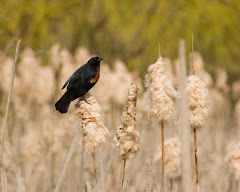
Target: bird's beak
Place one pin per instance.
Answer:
(100, 59)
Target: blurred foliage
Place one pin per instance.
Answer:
(128, 30)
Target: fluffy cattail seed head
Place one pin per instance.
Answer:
(233, 160)
(172, 157)
(161, 92)
(127, 134)
(94, 131)
(198, 100)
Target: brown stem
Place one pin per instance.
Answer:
(196, 162)
(158, 34)
(171, 185)
(94, 166)
(193, 71)
(124, 165)
(159, 50)
(162, 128)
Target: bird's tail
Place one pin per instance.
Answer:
(63, 103)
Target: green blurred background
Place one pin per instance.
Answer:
(127, 30)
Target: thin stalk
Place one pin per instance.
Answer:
(8, 102)
(159, 50)
(127, 185)
(193, 71)
(196, 161)
(52, 170)
(149, 182)
(94, 166)
(4, 180)
(162, 129)
(106, 169)
(124, 166)
(69, 155)
(171, 185)
(81, 166)
(158, 34)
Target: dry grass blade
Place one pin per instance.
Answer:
(70, 152)
(149, 181)
(4, 180)
(8, 102)
(81, 166)
(88, 186)
(21, 186)
(106, 170)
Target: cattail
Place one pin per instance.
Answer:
(94, 131)
(162, 94)
(162, 98)
(127, 134)
(233, 160)
(199, 106)
(172, 157)
(198, 100)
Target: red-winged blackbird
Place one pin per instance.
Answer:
(82, 80)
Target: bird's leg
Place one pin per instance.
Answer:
(86, 100)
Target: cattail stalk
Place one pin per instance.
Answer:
(162, 129)
(123, 175)
(199, 106)
(93, 130)
(195, 135)
(196, 160)
(127, 134)
(94, 166)
(162, 97)
(8, 102)
(171, 185)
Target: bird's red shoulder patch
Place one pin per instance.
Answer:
(95, 78)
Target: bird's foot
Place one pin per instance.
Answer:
(86, 100)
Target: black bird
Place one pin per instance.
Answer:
(82, 80)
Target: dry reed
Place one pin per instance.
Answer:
(162, 98)
(199, 106)
(127, 134)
